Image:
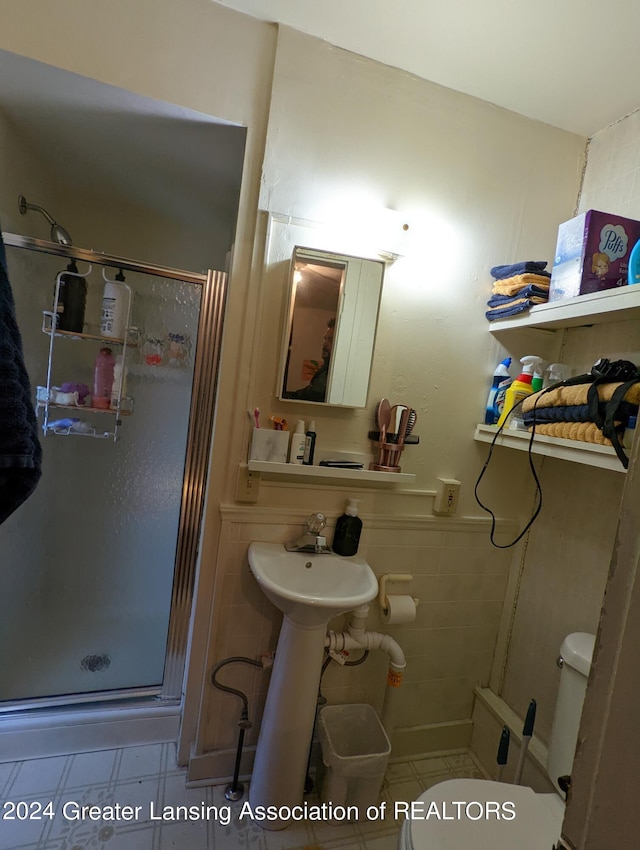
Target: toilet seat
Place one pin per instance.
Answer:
(483, 818)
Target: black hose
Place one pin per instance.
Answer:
(234, 790)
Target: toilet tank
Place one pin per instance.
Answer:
(576, 653)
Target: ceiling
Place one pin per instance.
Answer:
(569, 63)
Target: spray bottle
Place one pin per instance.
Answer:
(499, 386)
(556, 373)
(519, 389)
(538, 376)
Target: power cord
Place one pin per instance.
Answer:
(538, 503)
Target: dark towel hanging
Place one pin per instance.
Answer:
(20, 450)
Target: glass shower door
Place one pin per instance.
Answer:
(88, 561)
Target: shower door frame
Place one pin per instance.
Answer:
(194, 481)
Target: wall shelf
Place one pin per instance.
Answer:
(590, 454)
(596, 308)
(366, 477)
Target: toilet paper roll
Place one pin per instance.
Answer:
(399, 609)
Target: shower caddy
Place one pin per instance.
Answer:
(123, 404)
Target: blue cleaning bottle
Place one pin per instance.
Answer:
(634, 264)
(501, 383)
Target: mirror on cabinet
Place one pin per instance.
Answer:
(330, 328)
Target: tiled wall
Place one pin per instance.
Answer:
(460, 580)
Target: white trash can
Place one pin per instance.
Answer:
(355, 752)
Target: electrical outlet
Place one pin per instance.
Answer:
(447, 493)
(247, 485)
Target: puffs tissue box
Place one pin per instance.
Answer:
(592, 254)
(269, 445)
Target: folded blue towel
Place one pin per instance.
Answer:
(20, 450)
(532, 291)
(519, 305)
(528, 266)
(574, 413)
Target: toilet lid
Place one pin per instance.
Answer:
(463, 813)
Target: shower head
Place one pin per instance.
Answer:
(58, 233)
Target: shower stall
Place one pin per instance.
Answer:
(98, 565)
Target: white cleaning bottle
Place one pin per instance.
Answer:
(298, 443)
(519, 389)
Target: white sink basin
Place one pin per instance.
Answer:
(311, 589)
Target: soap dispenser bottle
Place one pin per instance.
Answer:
(348, 529)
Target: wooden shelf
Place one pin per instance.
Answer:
(366, 477)
(596, 308)
(590, 454)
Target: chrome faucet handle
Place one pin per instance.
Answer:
(316, 523)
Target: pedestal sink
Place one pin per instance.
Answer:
(309, 589)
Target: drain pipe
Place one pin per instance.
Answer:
(356, 637)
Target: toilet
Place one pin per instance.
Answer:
(486, 815)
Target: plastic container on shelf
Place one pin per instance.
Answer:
(103, 379)
(355, 753)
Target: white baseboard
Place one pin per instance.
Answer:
(65, 732)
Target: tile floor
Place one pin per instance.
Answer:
(33, 814)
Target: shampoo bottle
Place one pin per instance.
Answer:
(519, 389)
(72, 299)
(298, 442)
(495, 402)
(114, 308)
(103, 378)
(310, 443)
(348, 528)
(119, 388)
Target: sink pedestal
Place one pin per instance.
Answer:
(309, 589)
(280, 766)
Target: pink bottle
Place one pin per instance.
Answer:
(103, 378)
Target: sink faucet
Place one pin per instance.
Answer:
(312, 540)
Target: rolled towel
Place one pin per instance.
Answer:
(534, 266)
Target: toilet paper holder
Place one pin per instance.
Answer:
(382, 588)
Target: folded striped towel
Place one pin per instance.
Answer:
(577, 394)
(513, 285)
(535, 293)
(535, 266)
